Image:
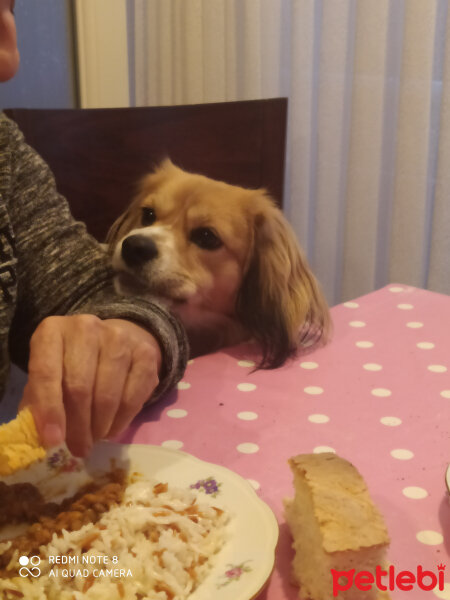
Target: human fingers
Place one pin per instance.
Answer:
(141, 382)
(114, 364)
(81, 335)
(43, 391)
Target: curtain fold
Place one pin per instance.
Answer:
(368, 157)
(439, 272)
(417, 137)
(335, 73)
(369, 180)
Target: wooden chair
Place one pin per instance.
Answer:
(98, 155)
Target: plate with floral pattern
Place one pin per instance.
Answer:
(243, 566)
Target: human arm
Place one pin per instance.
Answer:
(62, 271)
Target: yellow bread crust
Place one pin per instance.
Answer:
(346, 515)
(19, 444)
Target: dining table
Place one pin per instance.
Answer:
(377, 394)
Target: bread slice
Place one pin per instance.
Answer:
(335, 525)
(19, 444)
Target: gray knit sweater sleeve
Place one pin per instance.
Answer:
(62, 270)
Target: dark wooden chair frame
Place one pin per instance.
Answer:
(99, 155)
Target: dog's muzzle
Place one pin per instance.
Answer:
(137, 250)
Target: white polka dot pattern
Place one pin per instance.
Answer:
(183, 385)
(402, 454)
(430, 538)
(309, 365)
(248, 448)
(313, 390)
(364, 344)
(246, 363)
(318, 418)
(321, 449)
(357, 324)
(378, 394)
(381, 392)
(372, 367)
(391, 421)
(173, 444)
(425, 345)
(247, 416)
(246, 387)
(437, 368)
(415, 493)
(177, 413)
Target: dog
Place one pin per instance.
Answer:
(224, 260)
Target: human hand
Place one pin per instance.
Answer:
(88, 378)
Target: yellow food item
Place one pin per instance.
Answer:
(336, 527)
(19, 444)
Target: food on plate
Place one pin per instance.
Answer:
(335, 526)
(19, 443)
(24, 503)
(120, 537)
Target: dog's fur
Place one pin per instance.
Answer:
(251, 281)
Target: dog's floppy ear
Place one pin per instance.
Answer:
(120, 226)
(280, 301)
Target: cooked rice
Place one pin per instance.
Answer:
(164, 541)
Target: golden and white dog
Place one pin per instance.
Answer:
(224, 259)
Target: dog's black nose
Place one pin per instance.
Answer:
(138, 249)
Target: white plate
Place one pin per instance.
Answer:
(245, 563)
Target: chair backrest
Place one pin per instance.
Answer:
(98, 155)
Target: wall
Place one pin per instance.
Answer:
(46, 78)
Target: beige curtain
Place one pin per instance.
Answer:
(368, 81)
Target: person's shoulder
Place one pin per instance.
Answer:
(5, 137)
(5, 122)
(7, 128)
(11, 138)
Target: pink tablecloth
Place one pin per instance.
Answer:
(378, 394)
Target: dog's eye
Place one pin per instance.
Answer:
(205, 238)
(148, 216)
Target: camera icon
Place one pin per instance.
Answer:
(33, 571)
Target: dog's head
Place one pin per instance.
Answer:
(221, 249)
